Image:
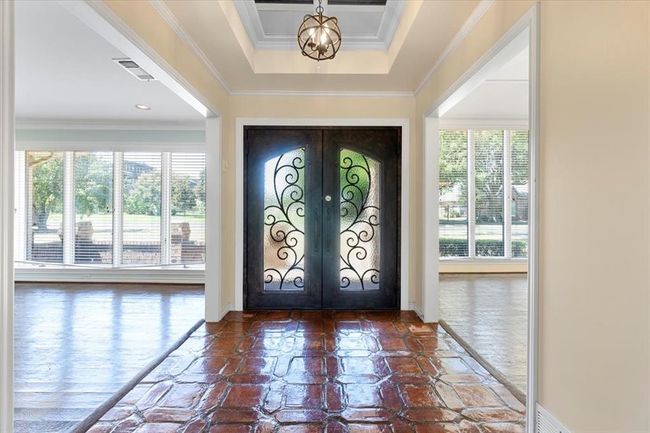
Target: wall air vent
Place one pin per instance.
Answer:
(134, 69)
(547, 423)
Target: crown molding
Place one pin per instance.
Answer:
(169, 17)
(325, 93)
(126, 124)
(465, 30)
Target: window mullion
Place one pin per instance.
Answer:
(69, 232)
(29, 213)
(20, 241)
(118, 215)
(507, 195)
(165, 209)
(471, 195)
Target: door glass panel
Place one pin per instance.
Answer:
(284, 222)
(93, 196)
(360, 224)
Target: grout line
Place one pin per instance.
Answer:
(96, 415)
(519, 395)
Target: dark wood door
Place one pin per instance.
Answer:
(322, 217)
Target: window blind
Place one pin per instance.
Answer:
(141, 206)
(93, 201)
(44, 205)
(187, 208)
(519, 197)
(452, 208)
(488, 170)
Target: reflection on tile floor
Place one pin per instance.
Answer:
(490, 312)
(76, 344)
(317, 371)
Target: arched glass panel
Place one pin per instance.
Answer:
(284, 222)
(360, 221)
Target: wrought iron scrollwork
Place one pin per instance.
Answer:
(359, 222)
(284, 216)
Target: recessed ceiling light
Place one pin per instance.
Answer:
(142, 107)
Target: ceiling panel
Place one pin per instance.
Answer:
(331, 2)
(65, 71)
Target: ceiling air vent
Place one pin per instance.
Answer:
(134, 69)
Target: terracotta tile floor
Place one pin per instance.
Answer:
(293, 372)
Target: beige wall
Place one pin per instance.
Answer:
(594, 185)
(594, 215)
(594, 330)
(315, 107)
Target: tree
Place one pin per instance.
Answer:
(453, 162)
(143, 197)
(47, 186)
(183, 195)
(93, 184)
(520, 157)
(489, 176)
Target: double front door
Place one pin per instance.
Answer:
(322, 217)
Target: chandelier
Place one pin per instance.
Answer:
(319, 36)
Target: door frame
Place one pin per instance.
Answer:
(528, 23)
(240, 122)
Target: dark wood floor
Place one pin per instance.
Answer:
(490, 312)
(76, 344)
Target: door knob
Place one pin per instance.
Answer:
(328, 198)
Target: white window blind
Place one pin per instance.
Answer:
(488, 171)
(141, 207)
(519, 197)
(44, 206)
(187, 208)
(111, 208)
(453, 185)
(483, 187)
(93, 201)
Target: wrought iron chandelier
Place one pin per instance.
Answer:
(319, 36)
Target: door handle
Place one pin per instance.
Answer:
(328, 198)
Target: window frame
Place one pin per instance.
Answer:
(117, 215)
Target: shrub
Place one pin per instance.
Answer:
(485, 248)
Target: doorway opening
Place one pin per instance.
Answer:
(481, 147)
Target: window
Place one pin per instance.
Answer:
(44, 171)
(188, 208)
(93, 201)
(519, 200)
(141, 209)
(453, 194)
(112, 209)
(483, 187)
(488, 182)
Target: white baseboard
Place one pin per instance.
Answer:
(547, 423)
(87, 275)
(418, 310)
(224, 311)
